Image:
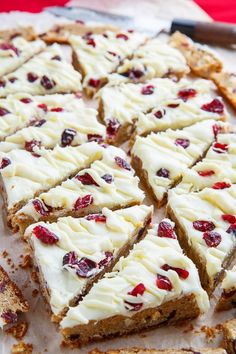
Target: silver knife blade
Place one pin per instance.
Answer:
(151, 25)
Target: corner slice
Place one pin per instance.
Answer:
(204, 230)
(156, 284)
(226, 83)
(227, 300)
(229, 336)
(200, 58)
(46, 73)
(11, 300)
(159, 351)
(109, 182)
(161, 159)
(72, 254)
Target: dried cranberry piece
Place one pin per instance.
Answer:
(220, 148)
(122, 35)
(105, 261)
(3, 286)
(32, 77)
(159, 114)
(185, 94)
(47, 83)
(94, 82)
(137, 290)
(80, 21)
(206, 173)
(165, 230)
(112, 53)
(70, 258)
(147, 90)
(44, 235)
(37, 122)
(134, 306)
(122, 163)
(83, 202)
(232, 230)
(221, 185)
(107, 178)
(56, 109)
(182, 273)
(12, 79)
(5, 162)
(203, 225)
(96, 217)
(163, 172)
(173, 105)
(182, 142)
(43, 106)
(67, 137)
(112, 126)
(3, 111)
(212, 238)
(26, 100)
(216, 129)
(87, 35)
(95, 137)
(9, 317)
(56, 57)
(215, 106)
(91, 41)
(2, 83)
(41, 207)
(85, 267)
(86, 179)
(163, 282)
(229, 218)
(30, 145)
(9, 46)
(133, 74)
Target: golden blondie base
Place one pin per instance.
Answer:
(227, 300)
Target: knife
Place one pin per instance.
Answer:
(211, 32)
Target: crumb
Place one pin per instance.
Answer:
(22, 348)
(142, 335)
(19, 330)
(26, 261)
(35, 292)
(5, 254)
(210, 332)
(190, 328)
(34, 276)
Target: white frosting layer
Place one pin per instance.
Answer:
(229, 281)
(209, 204)
(87, 238)
(107, 297)
(27, 175)
(122, 190)
(20, 50)
(100, 54)
(153, 59)
(160, 151)
(62, 76)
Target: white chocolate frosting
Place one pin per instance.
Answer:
(229, 281)
(109, 296)
(160, 151)
(20, 50)
(60, 73)
(152, 59)
(28, 175)
(100, 54)
(87, 238)
(74, 116)
(209, 204)
(121, 191)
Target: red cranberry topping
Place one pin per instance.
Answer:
(30, 145)
(5, 162)
(12, 79)
(112, 53)
(83, 202)
(70, 258)
(206, 173)
(133, 74)
(3, 111)
(216, 129)
(163, 172)
(173, 105)
(133, 306)
(94, 82)
(32, 77)
(232, 230)
(122, 163)
(3, 286)
(112, 126)
(215, 106)
(57, 109)
(203, 225)
(105, 35)
(80, 21)
(229, 218)
(95, 137)
(105, 261)
(9, 46)
(212, 238)
(96, 217)
(182, 273)
(2, 83)
(182, 142)
(221, 185)
(159, 114)
(47, 83)
(220, 148)
(37, 122)
(86, 179)
(185, 94)
(44, 235)
(85, 267)
(9, 317)
(148, 90)
(56, 57)
(67, 137)
(41, 208)
(87, 35)
(43, 106)
(137, 290)
(165, 230)
(122, 35)
(26, 100)
(91, 41)
(163, 282)
(107, 178)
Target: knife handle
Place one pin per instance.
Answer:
(212, 32)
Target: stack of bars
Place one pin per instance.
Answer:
(75, 196)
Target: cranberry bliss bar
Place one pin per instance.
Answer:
(228, 286)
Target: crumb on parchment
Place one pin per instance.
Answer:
(18, 331)
(22, 348)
